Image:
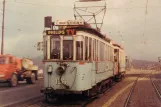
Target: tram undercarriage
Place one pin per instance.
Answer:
(96, 90)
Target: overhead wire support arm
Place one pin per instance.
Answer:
(90, 12)
(90, 6)
(77, 13)
(84, 10)
(103, 15)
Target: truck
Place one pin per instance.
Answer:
(13, 69)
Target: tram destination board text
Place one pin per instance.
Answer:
(61, 32)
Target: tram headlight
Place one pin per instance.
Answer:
(50, 69)
(60, 70)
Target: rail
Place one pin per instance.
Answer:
(130, 93)
(156, 88)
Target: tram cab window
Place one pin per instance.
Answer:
(68, 48)
(79, 48)
(55, 48)
(45, 50)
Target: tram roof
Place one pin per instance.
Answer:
(117, 45)
(90, 30)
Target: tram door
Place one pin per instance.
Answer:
(116, 61)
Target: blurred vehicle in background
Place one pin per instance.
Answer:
(13, 69)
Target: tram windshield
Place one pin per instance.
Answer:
(67, 51)
(68, 48)
(55, 48)
(79, 48)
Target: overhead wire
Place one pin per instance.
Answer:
(145, 19)
(36, 4)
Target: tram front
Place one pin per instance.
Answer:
(63, 49)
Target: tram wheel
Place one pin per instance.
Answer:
(110, 83)
(50, 98)
(100, 90)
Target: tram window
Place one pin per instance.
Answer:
(115, 58)
(101, 51)
(94, 49)
(115, 51)
(86, 48)
(110, 54)
(79, 48)
(97, 50)
(90, 48)
(67, 49)
(106, 53)
(55, 48)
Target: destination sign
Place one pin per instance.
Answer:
(55, 32)
(61, 32)
(69, 22)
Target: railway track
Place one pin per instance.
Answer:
(130, 93)
(126, 104)
(156, 88)
(67, 101)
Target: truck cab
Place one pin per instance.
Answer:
(7, 67)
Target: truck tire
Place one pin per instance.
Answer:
(36, 75)
(32, 79)
(14, 80)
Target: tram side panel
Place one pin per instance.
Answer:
(119, 69)
(105, 71)
(122, 63)
(116, 61)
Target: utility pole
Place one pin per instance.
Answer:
(2, 43)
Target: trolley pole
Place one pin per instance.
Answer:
(2, 43)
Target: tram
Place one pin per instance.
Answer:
(79, 59)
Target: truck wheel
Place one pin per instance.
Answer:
(36, 75)
(14, 80)
(32, 79)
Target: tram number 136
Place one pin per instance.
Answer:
(58, 81)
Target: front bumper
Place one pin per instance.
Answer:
(50, 90)
(47, 90)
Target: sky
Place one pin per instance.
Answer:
(127, 22)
